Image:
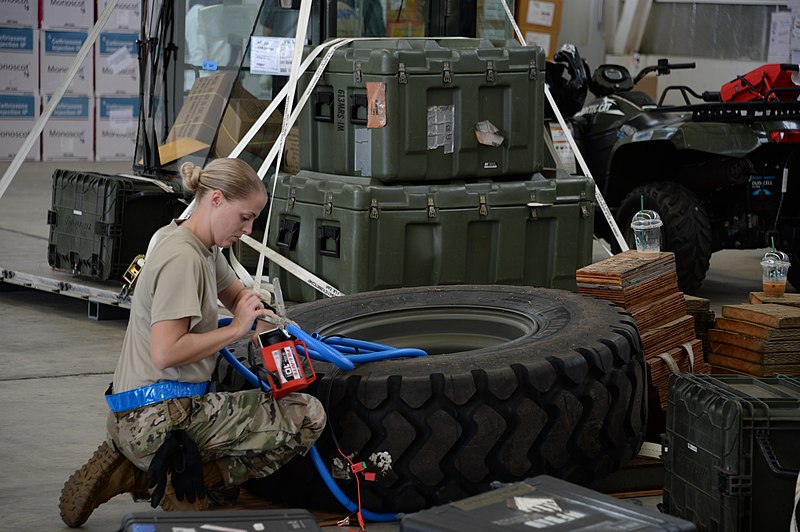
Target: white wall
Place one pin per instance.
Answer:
(708, 75)
(589, 23)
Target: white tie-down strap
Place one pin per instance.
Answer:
(295, 269)
(264, 291)
(612, 223)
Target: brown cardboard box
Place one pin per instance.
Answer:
(196, 124)
(243, 111)
(546, 14)
(406, 19)
(547, 39)
(649, 86)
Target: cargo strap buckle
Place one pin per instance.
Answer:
(130, 276)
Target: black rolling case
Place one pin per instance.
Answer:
(268, 520)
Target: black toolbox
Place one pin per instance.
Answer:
(288, 520)
(731, 451)
(99, 223)
(542, 502)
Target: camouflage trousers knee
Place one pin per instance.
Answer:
(248, 433)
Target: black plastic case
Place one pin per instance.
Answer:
(545, 503)
(290, 520)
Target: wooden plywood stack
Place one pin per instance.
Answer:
(792, 300)
(757, 339)
(646, 285)
(700, 309)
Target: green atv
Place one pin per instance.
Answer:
(722, 175)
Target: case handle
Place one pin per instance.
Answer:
(772, 460)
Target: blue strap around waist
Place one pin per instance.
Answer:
(154, 393)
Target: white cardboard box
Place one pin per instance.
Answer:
(545, 39)
(116, 67)
(59, 49)
(18, 113)
(116, 125)
(19, 60)
(67, 14)
(69, 133)
(19, 13)
(127, 15)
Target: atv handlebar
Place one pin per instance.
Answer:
(663, 68)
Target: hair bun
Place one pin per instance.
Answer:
(191, 174)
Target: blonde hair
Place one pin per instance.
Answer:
(233, 177)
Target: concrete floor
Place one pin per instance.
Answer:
(55, 364)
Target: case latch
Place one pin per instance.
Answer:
(290, 201)
(490, 74)
(357, 76)
(402, 77)
(328, 209)
(447, 76)
(431, 208)
(532, 72)
(483, 209)
(374, 212)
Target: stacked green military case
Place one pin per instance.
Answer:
(423, 165)
(404, 111)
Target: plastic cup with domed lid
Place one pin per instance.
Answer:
(646, 227)
(774, 270)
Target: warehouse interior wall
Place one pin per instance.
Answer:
(723, 39)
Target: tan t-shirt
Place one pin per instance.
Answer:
(181, 278)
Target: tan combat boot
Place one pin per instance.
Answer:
(212, 479)
(107, 474)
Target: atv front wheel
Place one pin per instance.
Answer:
(519, 381)
(686, 231)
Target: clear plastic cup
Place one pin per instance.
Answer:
(774, 267)
(646, 227)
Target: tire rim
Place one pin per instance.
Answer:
(438, 329)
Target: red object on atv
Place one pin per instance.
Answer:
(771, 82)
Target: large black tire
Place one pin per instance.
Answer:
(686, 231)
(520, 381)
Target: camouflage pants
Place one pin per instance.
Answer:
(248, 433)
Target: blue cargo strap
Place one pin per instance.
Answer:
(154, 393)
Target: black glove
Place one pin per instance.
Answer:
(187, 474)
(180, 457)
(159, 467)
